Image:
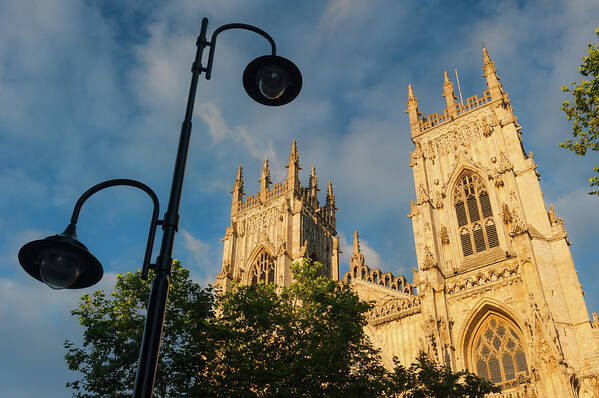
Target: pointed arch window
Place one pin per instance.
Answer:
(263, 269)
(498, 353)
(474, 215)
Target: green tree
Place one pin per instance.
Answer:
(584, 112)
(425, 378)
(305, 340)
(113, 327)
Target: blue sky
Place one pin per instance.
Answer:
(96, 90)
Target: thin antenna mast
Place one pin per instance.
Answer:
(459, 89)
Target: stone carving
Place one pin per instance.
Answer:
(413, 209)
(544, 336)
(512, 218)
(421, 194)
(482, 279)
(518, 227)
(506, 214)
(589, 386)
(595, 320)
(486, 127)
(497, 178)
(429, 327)
(553, 218)
(444, 235)
(414, 156)
(439, 200)
(444, 327)
(303, 249)
(282, 248)
(429, 259)
(504, 163)
(462, 135)
(397, 308)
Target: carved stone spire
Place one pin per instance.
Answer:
(490, 73)
(265, 177)
(293, 166)
(331, 197)
(313, 183)
(450, 96)
(237, 190)
(331, 207)
(413, 112)
(357, 258)
(356, 243)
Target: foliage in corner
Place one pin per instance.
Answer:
(113, 328)
(584, 112)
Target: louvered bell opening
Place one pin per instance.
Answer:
(466, 244)
(479, 239)
(492, 235)
(473, 209)
(460, 211)
(485, 205)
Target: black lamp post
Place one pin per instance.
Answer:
(62, 262)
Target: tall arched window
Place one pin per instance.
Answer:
(263, 268)
(475, 216)
(497, 353)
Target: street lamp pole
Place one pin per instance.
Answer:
(150, 344)
(62, 262)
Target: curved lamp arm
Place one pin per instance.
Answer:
(212, 43)
(154, 222)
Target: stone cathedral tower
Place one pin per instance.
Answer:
(281, 224)
(495, 289)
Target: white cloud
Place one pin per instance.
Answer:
(371, 256)
(197, 248)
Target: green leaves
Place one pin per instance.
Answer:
(424, 378)
(584, 112)
(113, 328)
(305, 340)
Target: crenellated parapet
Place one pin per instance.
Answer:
(379, 278)
(420, 123)
(472, 103)
(359, 271)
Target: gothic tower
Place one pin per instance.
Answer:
(495, 289)
(281, 224)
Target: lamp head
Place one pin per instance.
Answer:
(272, 80)
(61, 261)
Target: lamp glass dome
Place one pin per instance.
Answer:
(61, 262)
(272, 80)
(60, 268)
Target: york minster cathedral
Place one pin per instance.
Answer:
(495, 289)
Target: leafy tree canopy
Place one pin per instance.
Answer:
(305, 340)
(584, 111)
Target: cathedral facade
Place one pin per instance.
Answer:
(495, 289)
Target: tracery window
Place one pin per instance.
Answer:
(475, 216)
(497, 352)
(263, 268)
